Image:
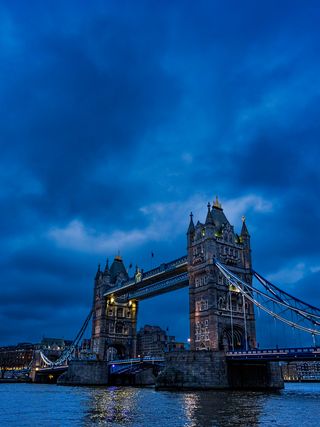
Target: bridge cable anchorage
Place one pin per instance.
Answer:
(305, 314)
(67, 354)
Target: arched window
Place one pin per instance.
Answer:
(119, 328)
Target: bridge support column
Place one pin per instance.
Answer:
(85, 372)
(209, 369)
(194, 370)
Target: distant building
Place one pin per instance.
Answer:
(15, 357)
(55, 344)
(301, 371)
(154, 341)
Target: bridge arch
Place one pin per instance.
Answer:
(115, 351)
(232, 338)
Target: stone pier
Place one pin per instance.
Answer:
(85, 372)
(210, 370)
(194, 370)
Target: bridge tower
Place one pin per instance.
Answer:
(114, 320)
(220, 319)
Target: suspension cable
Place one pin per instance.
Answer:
(234, 280)
(228, 274)
(67, 353)
(268, 285)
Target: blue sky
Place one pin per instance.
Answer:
(119, 118)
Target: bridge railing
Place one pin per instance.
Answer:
(297, 350)
(135, 360)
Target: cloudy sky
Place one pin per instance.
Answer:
(119, 118)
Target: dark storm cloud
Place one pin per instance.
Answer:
(84, 100)
(112, 113)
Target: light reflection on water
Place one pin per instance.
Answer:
(51, 406)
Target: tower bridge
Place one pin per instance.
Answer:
(116, 295)
(223, 300)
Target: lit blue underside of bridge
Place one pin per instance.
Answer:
(133, 365)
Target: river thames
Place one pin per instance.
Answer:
(51, 405)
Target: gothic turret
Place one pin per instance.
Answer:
(245, 239)
(244, 229)
(106, 269)
(98, 273)
(209, 218)
(191, 231)
(118, 270)
(191, 225)
(218, 215)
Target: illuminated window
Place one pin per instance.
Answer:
(202, 305)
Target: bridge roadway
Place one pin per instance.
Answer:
(164, 278)
(272, 355)
(277, 354)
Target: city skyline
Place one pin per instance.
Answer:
(118, 121)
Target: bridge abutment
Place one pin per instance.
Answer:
(194, 370)
(85, 372)
(209, 369)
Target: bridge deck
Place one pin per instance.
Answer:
(164, 278)
(277, 354)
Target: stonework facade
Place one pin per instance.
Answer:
(154, 341)
(220, 319)
(114, 321)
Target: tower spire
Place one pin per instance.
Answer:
(106, 269)
(216, 203)
(191, 224)
(98, 272)
(209, 218)
(244, 229)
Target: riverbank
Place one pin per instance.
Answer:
(14, 380)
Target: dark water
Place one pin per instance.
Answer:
(50, 405)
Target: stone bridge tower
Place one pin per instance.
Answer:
(114, 320)
(220, 318)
